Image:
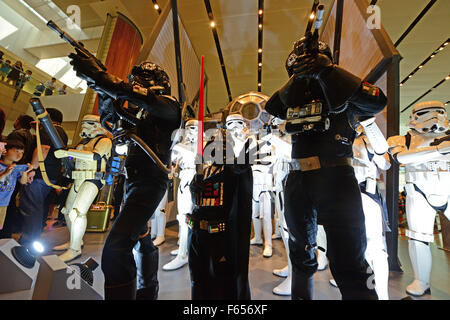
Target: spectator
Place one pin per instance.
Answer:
(15, 73)
(22, 126)
(22, 133)
(23, 79)
(34, 205)
(62, 90)
(1, 56)
(39, 89)
(50, 85)
(10, 174)
(5, 69)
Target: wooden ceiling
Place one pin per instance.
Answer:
(284, 22)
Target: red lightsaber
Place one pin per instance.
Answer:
(201, 103)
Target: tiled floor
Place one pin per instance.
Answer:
(174, 285)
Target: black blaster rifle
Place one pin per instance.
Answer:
(311, 45)
(438, 141)
(74, 43)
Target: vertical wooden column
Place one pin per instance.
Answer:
(119, 48)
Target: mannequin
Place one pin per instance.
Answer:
(427, 166)
(261, 204)
(282, 148)
(220, 224)
(184, 154)
(158, 222)
(90, 154)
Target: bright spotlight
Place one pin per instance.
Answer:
(38, 247)
(122, 149)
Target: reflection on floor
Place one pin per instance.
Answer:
(174, 285)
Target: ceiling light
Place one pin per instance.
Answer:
(432, 56)
(212, 24)
(260, 25)
(420, 67)
(401, 84)
(156, 6)
(445, 44)
(259, 84)
(260, 64)
(441, 48)
(259, 50)
(312, 16)
(447, 78)
(260, 12)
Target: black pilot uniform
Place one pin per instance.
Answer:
(129, 258)
(321, 103)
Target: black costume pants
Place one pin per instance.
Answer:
(218, 262)
(144, 191)
(331, 196)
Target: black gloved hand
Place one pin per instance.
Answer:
(86, 68)
(310, 67)
(197, 186)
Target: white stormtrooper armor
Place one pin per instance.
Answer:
(158, 222)
(261, 204)
(282, 153)
(427, 166)
(184, 154)
(366, 163)
(91, 157)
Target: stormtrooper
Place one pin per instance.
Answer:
(262, 203)
(184, 154)
(91, 156)
(281, 150)
(220, 224)
(425, 152)
(322, 103)
(158, 222)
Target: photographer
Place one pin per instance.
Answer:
(320, 102)
(159, 115)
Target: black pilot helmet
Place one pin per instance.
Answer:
(299, 50)
(151, 76)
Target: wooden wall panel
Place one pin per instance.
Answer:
(360, 52)
(328, 29)
(124, 48)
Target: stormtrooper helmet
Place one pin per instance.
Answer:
(237, 126)
(191, 131)
(429, 117)
(91, 126)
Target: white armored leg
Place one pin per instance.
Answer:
(159, 222)
(182, 255)
(265, 207)
(257, 228)
(284, 288)
(66, 210)
(376, 254)
(420, 216)
(321, 240)
(86, 195)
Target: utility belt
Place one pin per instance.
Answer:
(310, 117)
(315, 163)
(87, 175)
(213, 226)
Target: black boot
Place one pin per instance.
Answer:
(121, 292)
(147, 271)
(302, 286)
